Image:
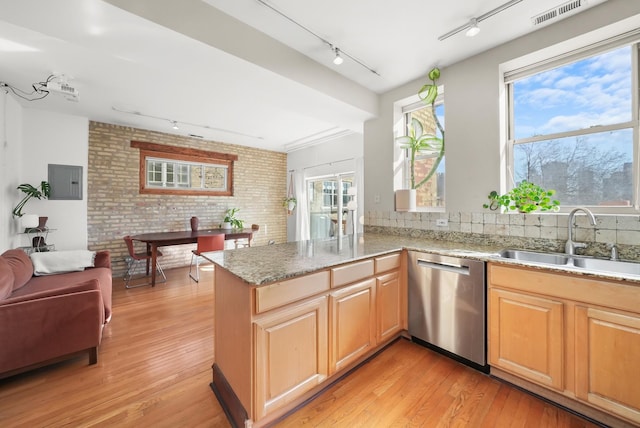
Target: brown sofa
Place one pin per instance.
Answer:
(44, 319)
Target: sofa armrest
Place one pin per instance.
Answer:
(90, 285)
(103, 259)
(35, 330)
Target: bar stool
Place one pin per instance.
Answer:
(205, 244)
(134, 260)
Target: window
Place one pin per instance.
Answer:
(167, 169)
(430, 194)
(573, 127)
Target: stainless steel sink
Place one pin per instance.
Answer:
(602, 265)
(535, 257)
(580, 262)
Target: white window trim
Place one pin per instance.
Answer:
(511, 75)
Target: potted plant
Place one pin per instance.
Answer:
(230, 220)
(289, 203)
(526, 197)
(418, 142)
(42, 191)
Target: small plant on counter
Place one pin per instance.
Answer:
(526, 197)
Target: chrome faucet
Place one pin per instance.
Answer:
(570, 246)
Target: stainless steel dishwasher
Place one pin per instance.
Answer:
(447, 306)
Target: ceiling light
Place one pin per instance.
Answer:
(174, 123)
(338, 59)
(473, 28)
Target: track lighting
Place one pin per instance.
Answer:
(175, 125)
(473, 28)
(338, 59)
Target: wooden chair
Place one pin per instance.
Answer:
(205, 244)
(134, 260)
(254, 228)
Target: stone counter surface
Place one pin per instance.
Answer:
(263, 265)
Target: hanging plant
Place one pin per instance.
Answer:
(289, 203)
(417, 142)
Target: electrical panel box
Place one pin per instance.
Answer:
(66, 182)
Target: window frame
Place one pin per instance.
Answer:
(511, 76)
(182, 156)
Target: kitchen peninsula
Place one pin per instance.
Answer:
(291, 319)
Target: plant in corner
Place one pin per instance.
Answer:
(42, 191)
(230, 218)
(526, 197)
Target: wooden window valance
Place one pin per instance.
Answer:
(184, 171)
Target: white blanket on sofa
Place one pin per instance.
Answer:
(53, 262)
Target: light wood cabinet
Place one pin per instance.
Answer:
(577, 336)
(291, 353)
(389, 306)
(353, 323)
(278, 344)
(607, 360)
(527, 336)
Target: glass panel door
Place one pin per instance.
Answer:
(328, 205)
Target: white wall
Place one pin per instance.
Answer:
(323, 159)
(10, 168)
(472, 94)
(52, 138)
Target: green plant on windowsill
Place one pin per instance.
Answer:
(526, 197)
(42, 191)
(230, 218)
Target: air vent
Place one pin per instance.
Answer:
(559, 12)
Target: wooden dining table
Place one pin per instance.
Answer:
(154, 240)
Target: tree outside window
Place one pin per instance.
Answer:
(573, 129)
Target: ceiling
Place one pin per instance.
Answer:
(237, 71)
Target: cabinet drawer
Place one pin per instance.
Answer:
(281, 293)
(385, 263)
(351, 273)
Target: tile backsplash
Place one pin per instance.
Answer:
(546, 231)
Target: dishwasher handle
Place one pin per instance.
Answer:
(460, 270)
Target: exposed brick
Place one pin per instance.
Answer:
(116, 208)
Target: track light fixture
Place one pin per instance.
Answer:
(338, 59)
(174, 123)
(471, 28)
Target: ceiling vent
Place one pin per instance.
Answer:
(559, 12)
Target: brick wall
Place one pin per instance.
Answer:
(116, 208)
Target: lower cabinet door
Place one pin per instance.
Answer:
(353, 323)
(291, 353)
(608, 361)
(526, 336)
(389, 305)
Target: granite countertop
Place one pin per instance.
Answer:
(270, 263)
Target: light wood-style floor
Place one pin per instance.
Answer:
(154, 370)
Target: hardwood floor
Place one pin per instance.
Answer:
(154, 370)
